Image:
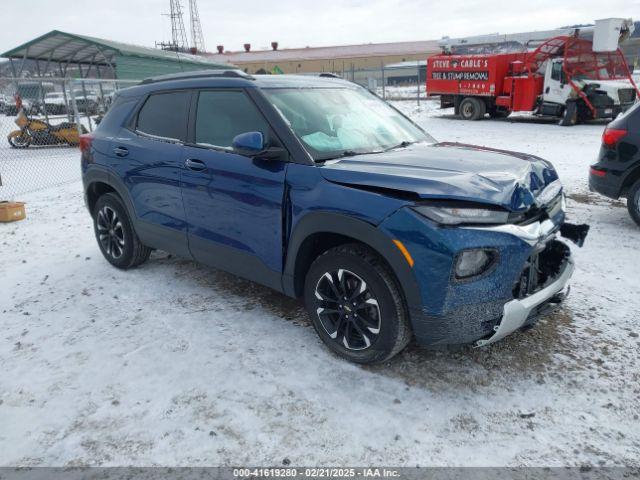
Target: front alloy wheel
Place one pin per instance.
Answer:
(347, 309)
(356, 305)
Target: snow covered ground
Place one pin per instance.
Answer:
(178, 364)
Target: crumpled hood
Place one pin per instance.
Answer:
(449, 171)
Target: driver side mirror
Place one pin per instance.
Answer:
(251, 144)
(248, 144)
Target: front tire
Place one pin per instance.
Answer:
(633, 202)
(356, 306)
(570, 115)
(19, 139)
(114, 232)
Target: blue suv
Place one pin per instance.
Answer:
(318, 189)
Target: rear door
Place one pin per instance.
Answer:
(147, 156)
(233, 203)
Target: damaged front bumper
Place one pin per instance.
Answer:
(545, 279)
(517, 312)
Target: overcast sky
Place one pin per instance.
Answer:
(300, 23)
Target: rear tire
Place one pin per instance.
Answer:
(114, 232)
(633, 202)
(472, 108)
(355, 305)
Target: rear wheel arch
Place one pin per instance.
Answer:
(98, 181)
(95, 190)
(318, 232)
(629, 181)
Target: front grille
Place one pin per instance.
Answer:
(627, 95)
(541, 269)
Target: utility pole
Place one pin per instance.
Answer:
(179, 41)
(197, 39)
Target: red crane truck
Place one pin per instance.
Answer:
(564, 77)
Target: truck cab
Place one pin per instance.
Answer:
(556, 88)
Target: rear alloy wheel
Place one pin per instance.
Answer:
(633, 202)
(355, 305)
(472, 108)
(110, 232)
(117, 240)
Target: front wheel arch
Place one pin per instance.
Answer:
(338, 229)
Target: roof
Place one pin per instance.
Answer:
(203, 80)
(321, 53)
(57, 46)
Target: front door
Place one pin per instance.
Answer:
(233, 203)
(556, 88)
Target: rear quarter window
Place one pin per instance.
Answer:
(118, 113)
(165, 115)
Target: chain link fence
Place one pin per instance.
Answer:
(40, 123)
(401, 81)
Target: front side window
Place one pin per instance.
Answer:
(165, 115)
(556, 71)
(222, 115)
(334, 122)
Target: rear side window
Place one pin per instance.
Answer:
(165, 115)
(222, 115)
(119, 110)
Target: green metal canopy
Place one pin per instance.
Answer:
(124, 61)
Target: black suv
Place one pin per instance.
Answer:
(617, 172)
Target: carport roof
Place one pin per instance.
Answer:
(57, 46)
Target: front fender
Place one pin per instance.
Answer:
(325, 222)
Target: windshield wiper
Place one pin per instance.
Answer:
(403, 144)
(347, 153)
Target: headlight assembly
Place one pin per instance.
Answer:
(462, 215)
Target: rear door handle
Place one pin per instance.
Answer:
(195, 165)
(121, 151)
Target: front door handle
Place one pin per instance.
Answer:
(121, 151)
(195, 165)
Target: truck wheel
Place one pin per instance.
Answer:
(633, 202)
(355, 305)
(116, 237)
(570, 115)
(472, 108)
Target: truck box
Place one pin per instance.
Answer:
(477, 75)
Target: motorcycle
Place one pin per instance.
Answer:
(40, 133)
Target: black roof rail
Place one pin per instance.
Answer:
(329, 75)
(231, 73)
